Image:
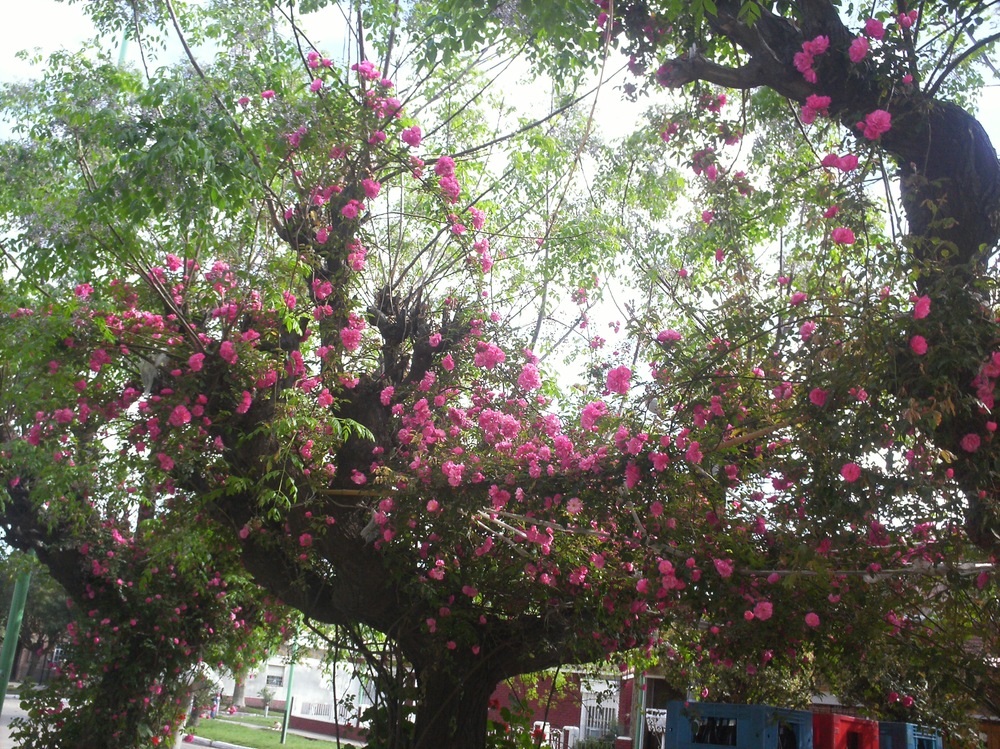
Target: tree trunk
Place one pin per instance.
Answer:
(452, 707)
(187, 726)
(240, 690)
(950, 185)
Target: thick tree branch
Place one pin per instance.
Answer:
(694, 67)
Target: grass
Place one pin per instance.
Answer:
(249, 709)
(257, 720)
(256, 738)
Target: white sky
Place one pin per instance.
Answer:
(41, 23)
(48, 25)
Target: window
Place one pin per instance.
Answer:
(366, 692)
(601, 720)
(56, 656)
(275, 675)
(927, 742)
(716, 731)
(788, 736)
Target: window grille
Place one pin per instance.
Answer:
(601, 721)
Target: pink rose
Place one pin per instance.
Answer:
(819, 103)
(180, 416)
(876, 123)
(922, 308)
(859, 49)
(874, 28)
(842, 235)
(763, 610)
(851, 472)
(619, 380)
(667, 335)
(412, 136)
(529, 378)
(228, 352)
(724, 567)
(970, 442)
(591, 413)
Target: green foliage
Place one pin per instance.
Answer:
(606, 742)
(174, 155)
(266, 695)
(554, 35)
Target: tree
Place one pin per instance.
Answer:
(266, 695)
(284, 333)
(897, 78)
(896, 81)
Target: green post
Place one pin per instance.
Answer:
(121, 52)
(288, 695)
(13, 631)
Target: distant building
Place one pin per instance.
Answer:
(322, 701)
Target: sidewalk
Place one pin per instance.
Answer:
(11, 709)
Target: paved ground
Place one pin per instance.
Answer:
(11, 709)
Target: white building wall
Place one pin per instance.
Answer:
(313, 688)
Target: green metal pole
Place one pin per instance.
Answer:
(121, 52)
(13, 631)
(288, 696)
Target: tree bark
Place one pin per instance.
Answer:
(240, 690)
(452, 707)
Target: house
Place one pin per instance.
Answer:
(571, 705)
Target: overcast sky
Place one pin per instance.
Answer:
(45, 24)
